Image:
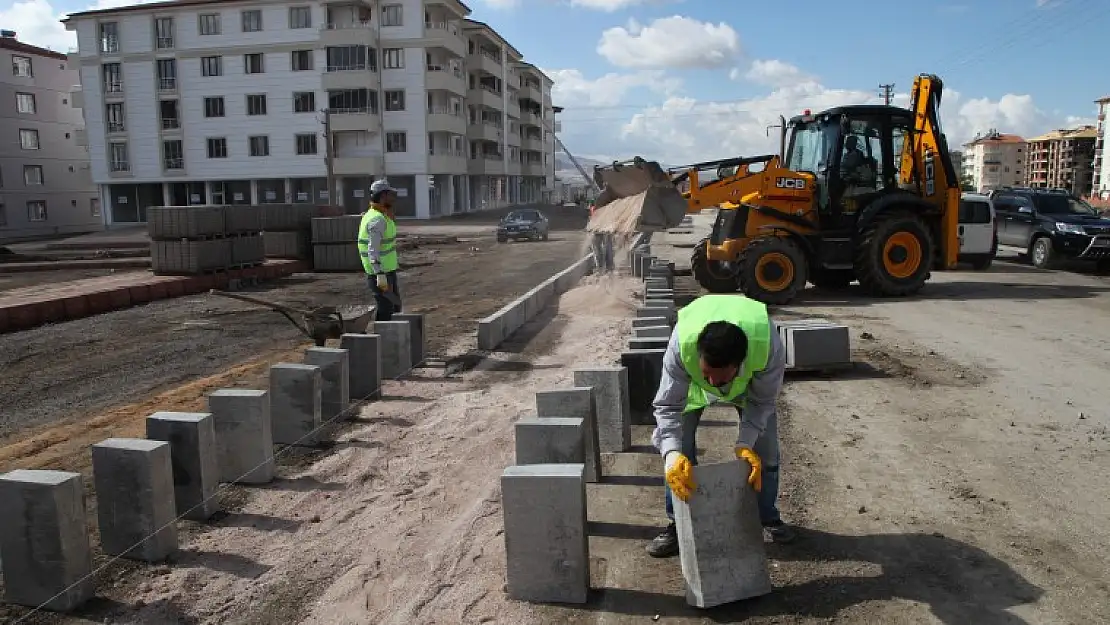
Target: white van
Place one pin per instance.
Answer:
(978, 230)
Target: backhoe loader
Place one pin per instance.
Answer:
(864, 192)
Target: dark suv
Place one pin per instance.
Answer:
(1051, 225)
(527, 223)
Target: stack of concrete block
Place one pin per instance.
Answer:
(199, 239)
(287, 230)
(815, 344)
(335, 243)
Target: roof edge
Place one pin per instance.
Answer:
(497, 35)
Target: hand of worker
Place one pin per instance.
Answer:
(679, 475)
(755, 478)
(383, 282)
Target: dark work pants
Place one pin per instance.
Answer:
(386, 307)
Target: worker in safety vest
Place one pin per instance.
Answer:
(728, 347)
(377, 246)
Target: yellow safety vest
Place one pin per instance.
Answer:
(387, 255)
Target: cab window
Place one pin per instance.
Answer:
(861, 157)
(975, 212)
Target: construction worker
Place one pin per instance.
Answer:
(377, 240)
(725, 346)
(601, 244)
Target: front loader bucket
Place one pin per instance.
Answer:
(636, 197)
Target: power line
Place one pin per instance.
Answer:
(886, 92)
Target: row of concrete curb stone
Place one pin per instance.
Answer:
(144, 485)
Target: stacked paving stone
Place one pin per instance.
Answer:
(287, 230)
(144, 486)
(191, 240)
(334, 243)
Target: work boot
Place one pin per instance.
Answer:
(779, 532)
(664, 545)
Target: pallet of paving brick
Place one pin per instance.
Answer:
(288, 217)
(293, 244)
(342, 229)
(242, 219)
(183, 257)
(185, 222)
(248, 250)
(338, 257)
(815, 345)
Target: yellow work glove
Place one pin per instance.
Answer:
(383, 282)
(680, 475)
(755, 478)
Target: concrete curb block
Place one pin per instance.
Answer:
(494, 329)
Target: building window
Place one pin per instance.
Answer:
(28, 139)
(300, 17)
(345, 58)
(114, 119)
(256, 104)
(214, 106)
(217, 147)
(25, 103)
(36, 210)
(208, 23)
(32, 175)
(395, 100)
(117, 156)
(306, 143)
(173, 154)
(391, 15)
(21, 66)
(113, 78)
(94, 207)
(396, 142)
(301, 60)
(171, 120)
(393, 58)
(252, 63)
(260, 146)
(353, 101)
(109, 38)
(163, 33)
(211, 66)
(304, 101)
(167, 74)
(252, 21)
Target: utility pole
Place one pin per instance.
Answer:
(886, 92)
(329, 158)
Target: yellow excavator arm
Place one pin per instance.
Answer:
(927, 162)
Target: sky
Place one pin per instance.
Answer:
(681, 81)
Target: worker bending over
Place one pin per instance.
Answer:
(377, 245)
(727, 346)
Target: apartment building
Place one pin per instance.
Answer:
(1100, 180)
(1062, 159)
(217, 101)
(993, 160)
(45, 186)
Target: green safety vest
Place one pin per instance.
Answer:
(387, 255)
(752, 318)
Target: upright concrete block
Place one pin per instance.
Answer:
(576, 403)
(44, 543)
(611, 409)
(295, 403)
(651, 342)
(396, 340)
(196, 472)
(135, 498)
(244, 435)
(335, 374)
(641, 322)
(658, 331)
(645, 369)
(818, 346)
(364, 364)
(417, 342)
(547, 551)
(550, 440)
(720, 537)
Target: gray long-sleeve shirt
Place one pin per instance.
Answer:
(758, 399)
(375, 231)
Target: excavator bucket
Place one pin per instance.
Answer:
(636, 196)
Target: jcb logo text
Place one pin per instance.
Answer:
(790, 183)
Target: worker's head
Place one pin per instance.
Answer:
(722, 347)
(851, 143)
(382, 193)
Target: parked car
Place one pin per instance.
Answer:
(978, 230)
(1051, 225)
(527, 223)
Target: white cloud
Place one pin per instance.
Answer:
(772, 72)
(670, 42)
(607, 5)
(501, 4)
(38, 23)
(572, 88)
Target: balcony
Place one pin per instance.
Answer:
(532, 169)
(349, 34)
(355, 76)
(171, 124)
(447, 162)
(532, 92)
(512, 107)
(446, 120)
(486, 61)
(532, 143)
(358, 165)
(512, 138)
(113, 90)
(357, 119)
(443, 78)
(485, 131)
(445, 35)
(486, 165)
(528, 118)
(486, 96)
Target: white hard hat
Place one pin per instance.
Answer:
(379, 186)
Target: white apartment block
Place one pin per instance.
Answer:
(1100, 185)
(227, 102)
(994, 160)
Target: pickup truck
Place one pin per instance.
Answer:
(1051, 226)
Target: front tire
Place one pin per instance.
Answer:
(1043, 254)
(714, 276)
(772, 270)
(895, 255)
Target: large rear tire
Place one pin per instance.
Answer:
(772, 270)
(895, 255)
(713, 276)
